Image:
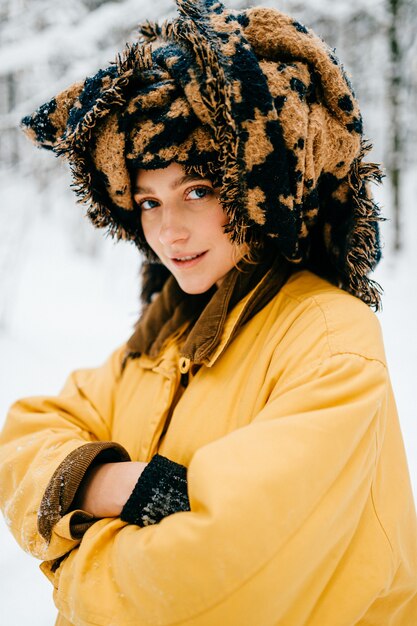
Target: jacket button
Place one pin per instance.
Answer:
(184, 365)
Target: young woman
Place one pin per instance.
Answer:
(239, 461)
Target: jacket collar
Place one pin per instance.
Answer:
(205, 324)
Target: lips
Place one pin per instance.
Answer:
(187, 260)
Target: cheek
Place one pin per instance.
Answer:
(148, 232)
(220, 217)
(215, 224)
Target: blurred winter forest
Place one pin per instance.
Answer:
(68, 296)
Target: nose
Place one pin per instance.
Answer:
(172, 227)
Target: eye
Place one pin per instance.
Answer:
(198, 193)
(147, 204)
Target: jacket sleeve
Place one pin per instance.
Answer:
(43, 434)
(274, 506)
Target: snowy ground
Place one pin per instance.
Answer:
(67, 310)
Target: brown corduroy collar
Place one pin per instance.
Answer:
(203, 316)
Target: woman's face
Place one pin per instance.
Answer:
(183, 222)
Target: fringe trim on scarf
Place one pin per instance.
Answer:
(363, 250)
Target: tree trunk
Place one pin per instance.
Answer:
(396, 147)
(13, 142)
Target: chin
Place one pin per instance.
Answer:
(195, 289)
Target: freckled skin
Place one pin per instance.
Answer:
(185, 220)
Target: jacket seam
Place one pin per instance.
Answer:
(374, 507)
(319, 362)
(329, 333)
(325, 320)
(380, 522)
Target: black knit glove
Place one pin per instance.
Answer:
(160, 491)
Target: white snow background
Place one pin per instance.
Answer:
(70, 296)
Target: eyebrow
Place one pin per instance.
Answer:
(175, 184)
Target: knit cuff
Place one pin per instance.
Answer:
(62, 488)
(160, 491)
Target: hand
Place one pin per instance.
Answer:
(106, 488)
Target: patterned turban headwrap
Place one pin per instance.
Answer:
(254, 99)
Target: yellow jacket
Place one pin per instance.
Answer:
(301, 506)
